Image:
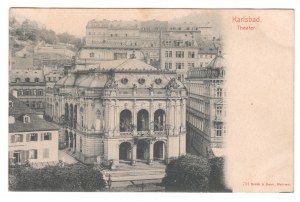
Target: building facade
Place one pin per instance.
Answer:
(31, 139)
(179, 52)
(30, 88)
(206, 108)
(121, 110)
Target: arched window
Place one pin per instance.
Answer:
(71, 115)
(27, 79)
(66, 112)
(98, 120)
(159, 120)
(125, 121)
(143, 120)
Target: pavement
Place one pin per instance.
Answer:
(65, 157)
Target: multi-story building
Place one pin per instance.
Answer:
(179, 52)
(150, 33)
(111, 40)
(207, 51)
(30, 86)
(121, 110)
(31, 138)
(206, 108)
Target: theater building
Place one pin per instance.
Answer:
(121, 110)
(206, 108)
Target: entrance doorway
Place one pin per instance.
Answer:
(17, 157)
(159, 150)
(142, 150)
(125, 151)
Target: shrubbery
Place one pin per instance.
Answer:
(55, 178)
(195, 174)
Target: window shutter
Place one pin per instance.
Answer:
(50, 136)
(12, 139)
(27, 137)
(35, 154)
(21, 137)
(26, 155)
(42, 136)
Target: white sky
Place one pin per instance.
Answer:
(75, 20)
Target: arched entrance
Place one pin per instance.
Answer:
(66, 139)
(125, 121)
(143, 120)
(125, 151)
(71, 139)
(159, 150)
(142, 150)
(159, 120)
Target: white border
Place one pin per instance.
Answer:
(7, 196)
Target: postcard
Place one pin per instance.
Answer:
(151, 100)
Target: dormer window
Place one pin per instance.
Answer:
(18, 80)
(27, 79)
(26, 119)
(36, 80)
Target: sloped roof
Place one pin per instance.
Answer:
(28, 73)
(36, 124)
(125, 64)
(207, 47)
(19, 107)
(18, 110)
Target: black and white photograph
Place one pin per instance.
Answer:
(140, 100)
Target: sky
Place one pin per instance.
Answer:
(74, 20)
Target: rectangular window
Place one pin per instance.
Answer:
(33, 137)
(179, 54)
(168, 54)
(17, 138)
(219, 130)
(32, 154)
(219, 92)
(191, 54)
(191, 65)
(47, 136)
(180, 65)
(46, 153)
(219, 110)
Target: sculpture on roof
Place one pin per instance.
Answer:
(173, 84)
(111, 83)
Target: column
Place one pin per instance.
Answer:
(150, 157)
(111, 118)
(106, 116)
(133, 154)
(134, 117)
(117, 118)
(151, 118)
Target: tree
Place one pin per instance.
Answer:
(187, 173)
(56, 178)
(217, 177)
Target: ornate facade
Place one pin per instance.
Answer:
(206, 108)
(121, 110)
